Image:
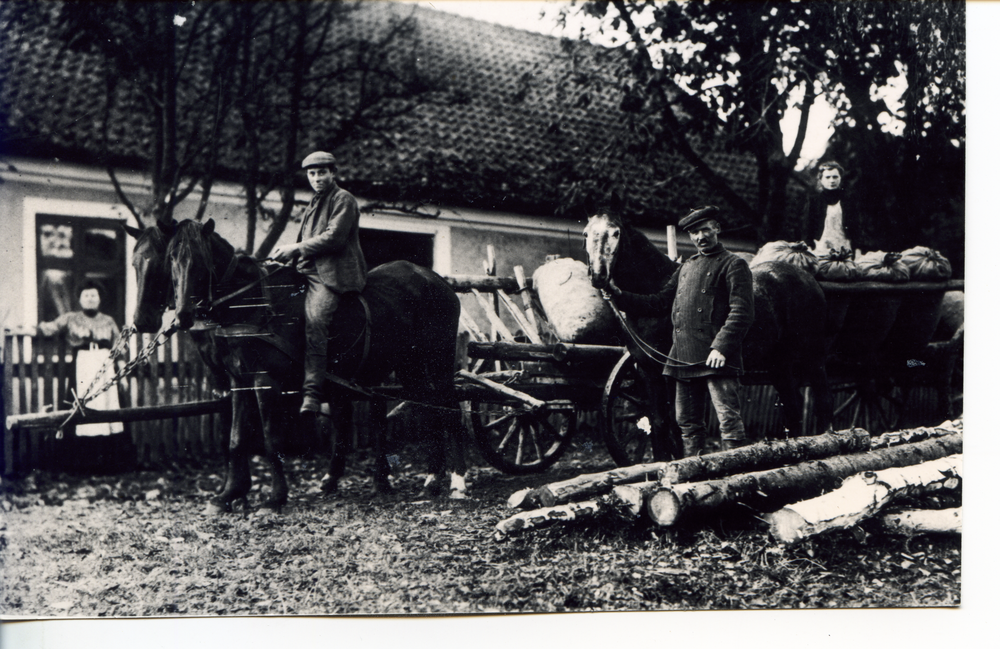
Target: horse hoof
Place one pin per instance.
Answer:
(272, 507)
(458, 495)
(215, 508)
(328, 485)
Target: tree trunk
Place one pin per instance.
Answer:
(788, 484)
(582, 486)
(765, 455)
(541, 517)
(624, 501)
(921, 521)
(916, 434)
(862, 496)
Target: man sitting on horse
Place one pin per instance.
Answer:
(328, 254)
(710, 298)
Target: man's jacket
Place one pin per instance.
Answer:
(710, 298)
(329, 244)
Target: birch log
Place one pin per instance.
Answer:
(862, 496)
(624, 501)
(548, 515)
(765, 455)
(583, 486)
(791, 483)
(922, 521)
(916, 434)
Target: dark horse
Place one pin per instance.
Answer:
(787, 341)
(258, 338)
(149, 259)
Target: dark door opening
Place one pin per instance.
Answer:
(381, 246)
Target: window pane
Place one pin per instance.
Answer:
(55, 295)
(100, 244)
(56, 241)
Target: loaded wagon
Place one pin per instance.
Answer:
(526, 389)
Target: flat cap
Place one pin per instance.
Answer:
(698, 216)
(319, 159)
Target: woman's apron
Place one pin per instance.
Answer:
(88, 363)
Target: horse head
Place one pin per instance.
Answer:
(149, 259)
(603, 240)
(192, 269)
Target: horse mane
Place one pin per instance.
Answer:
(644, 268)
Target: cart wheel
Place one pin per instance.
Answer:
(874, 407)
(520, 442)
(624, 405)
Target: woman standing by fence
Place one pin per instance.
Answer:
(92, 334)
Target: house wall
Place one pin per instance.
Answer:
(461, 236)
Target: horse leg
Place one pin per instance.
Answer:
(341, 419)
(787, 388)
(237, 483)
(445, 448)
(380, 470)
(666, 436)
(267, 393)
(822, 398)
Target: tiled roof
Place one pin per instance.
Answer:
(494, 148)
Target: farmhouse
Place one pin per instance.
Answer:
(489, 160)
(483, 167)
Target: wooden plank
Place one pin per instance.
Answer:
(526, 326)
(522, 288)
(886, 289)
(471, 326)
(7, 461)
(487, 283)
(66, 375)
(498, 324)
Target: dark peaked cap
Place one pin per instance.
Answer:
(699, 215)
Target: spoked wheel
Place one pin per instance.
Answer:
(875, 406)
(624, 408)
(520, 442)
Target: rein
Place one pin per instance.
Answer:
(649, 350)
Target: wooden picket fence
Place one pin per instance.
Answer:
(39, 374)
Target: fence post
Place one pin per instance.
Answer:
(7, 461)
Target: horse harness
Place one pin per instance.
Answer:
(280, 342)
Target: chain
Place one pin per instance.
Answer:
(125, 370)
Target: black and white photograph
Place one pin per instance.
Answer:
(376, 308)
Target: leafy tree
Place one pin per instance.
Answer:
(233, 90)
(708, 75)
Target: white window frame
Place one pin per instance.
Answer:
(33, 206)
(439, 231)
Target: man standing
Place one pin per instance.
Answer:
(710, 298)
(328, 253)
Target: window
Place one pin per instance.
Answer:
(381, 246)
(73, 250)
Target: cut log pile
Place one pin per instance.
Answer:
(801, 487)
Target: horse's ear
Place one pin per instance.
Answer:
(135, 233)
(208, 228)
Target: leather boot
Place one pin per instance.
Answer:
(693, 446)
(312, 386)
(730, 444)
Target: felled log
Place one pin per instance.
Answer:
(548, 515)
(582, 486)
(624, 501)
(862, 496)
(922, 521)
(790, 483)
(765, 455)
(630, 499)
(916, 434)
